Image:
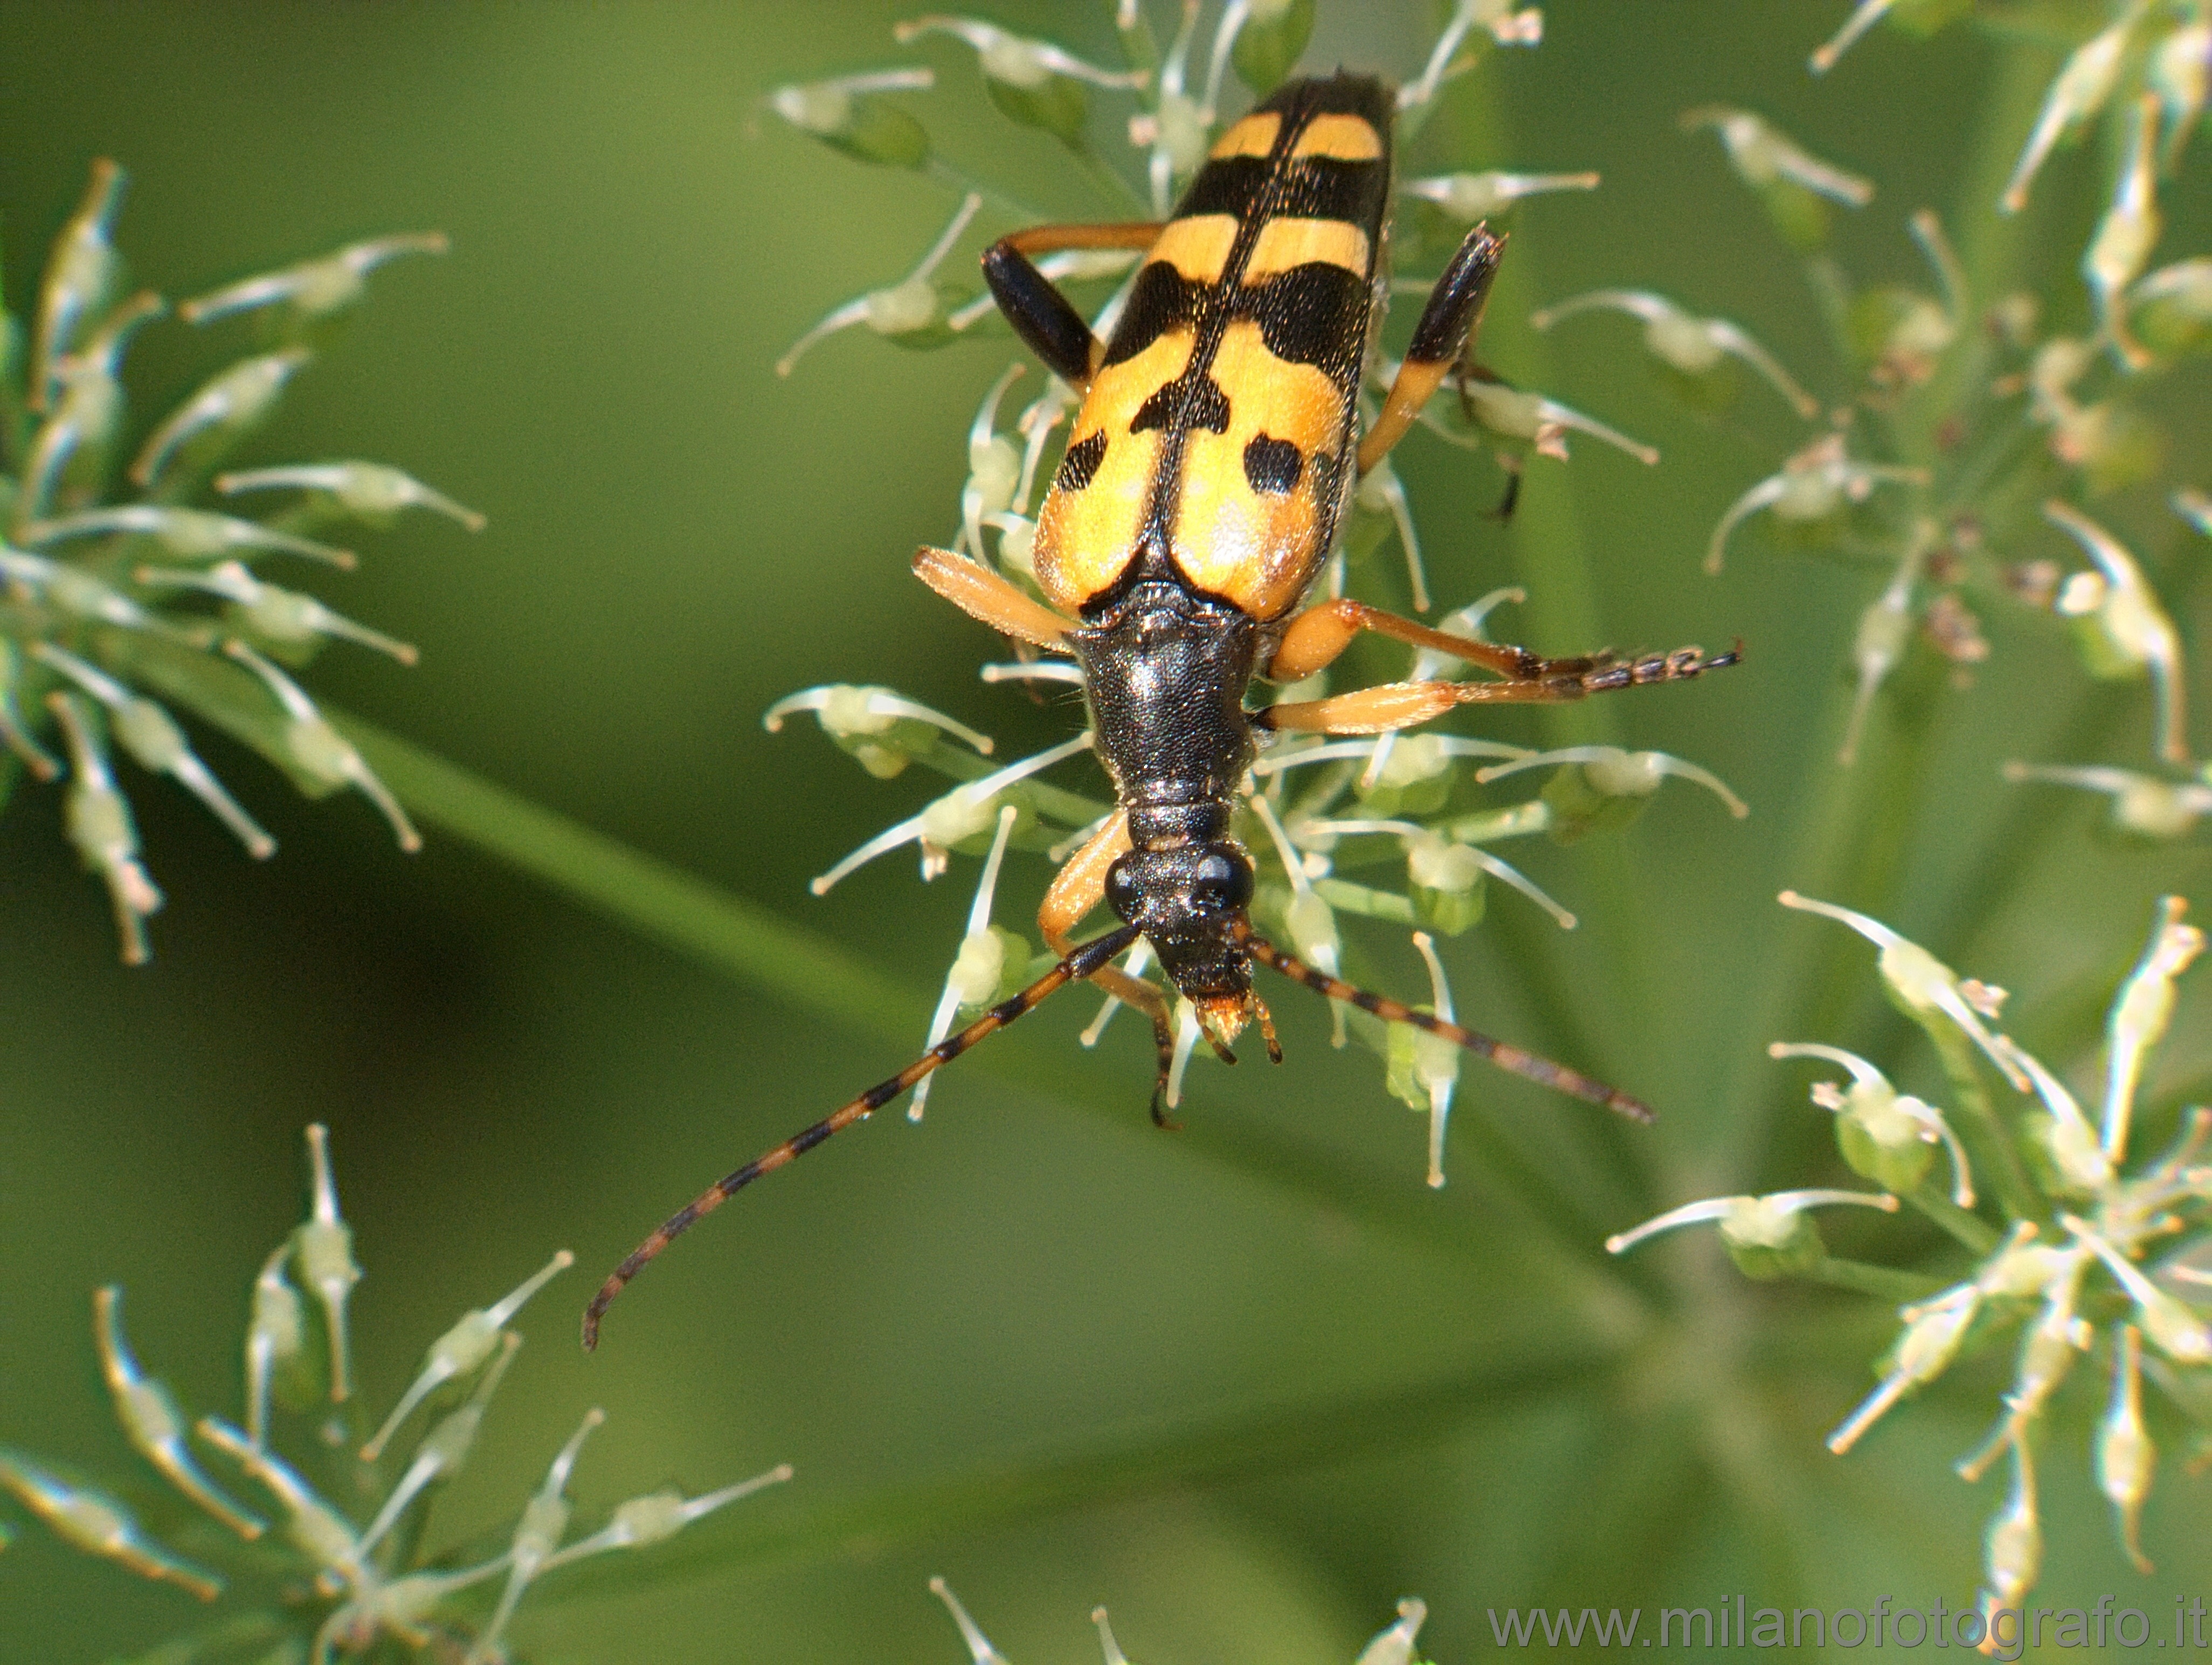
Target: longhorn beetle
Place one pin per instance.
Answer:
(1199, 494)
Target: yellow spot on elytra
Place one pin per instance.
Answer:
(1085, 539)
(1259, 550)
(1197, 246)
(1341, 138)
(1255, 136)
(1284, 243)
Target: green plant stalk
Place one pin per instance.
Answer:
(741, 941)
(1972, 1233)
(1885, 1282)
(1266, 1442)
(1999, 1155)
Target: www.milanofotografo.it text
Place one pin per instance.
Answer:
(2000, 1632)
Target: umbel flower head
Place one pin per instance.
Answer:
(125, 605)
(2104, 1258)
(302, 1579)
(1393, 834)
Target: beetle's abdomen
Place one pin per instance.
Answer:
(1218, 429)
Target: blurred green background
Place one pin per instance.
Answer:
(1248, 1385)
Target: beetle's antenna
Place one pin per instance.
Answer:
(1556, 1076)
(1077, 966)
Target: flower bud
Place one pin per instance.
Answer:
(1544, 424)
(1817, 483)
(152, 1422)
(282, 616)
(227, 407)
(979, 969)
(1394, 1646)
(325, 758)
(910, 311)
(323, 1244)
(1766, 1239)
(1033, 82)
(369, 491)
(2076, 94)
(1694, 347)
(1470, 197)
(2129, 232)
(443, 1449)
(276, 1338)
(80, 275)
(2173, 307)
(97, 819)
(2013, 1553)
(843, 114)
(1920, 985)
(1923, 1351)
(188, 534)
(99, 1525)
(313, 1525)
(2126, 631)
(2126, 1458)
(884, 730)
(2141, 1014)
(537, 1537)
(69, 450)
(464, 1349)
(661, 1514)
(1794, 185)
(313, 289)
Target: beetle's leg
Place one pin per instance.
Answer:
(1393, 705)
(1313, 640)
(1455, 305)
(1079, 887)
(978, 592)
(1040, 315)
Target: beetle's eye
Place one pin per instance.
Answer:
(1220, 882)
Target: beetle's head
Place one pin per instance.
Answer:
(1190, 902)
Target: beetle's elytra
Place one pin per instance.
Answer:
(1216, 445)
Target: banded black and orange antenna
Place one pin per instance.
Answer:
(1077, 966)
(1530, 1065)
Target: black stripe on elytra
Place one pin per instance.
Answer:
(1313, 314)
(1194, 400)
(1227, 186)
(1079, 466)
(1162, 298)
(1327, 188)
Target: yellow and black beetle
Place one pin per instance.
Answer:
(1199, 494)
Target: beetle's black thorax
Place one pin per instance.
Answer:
(1166, 669)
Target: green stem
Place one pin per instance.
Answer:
(1548, 1245)
(1975, 1234)
(1999, 1157)
(1265, 1442)
(1885, 1282)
